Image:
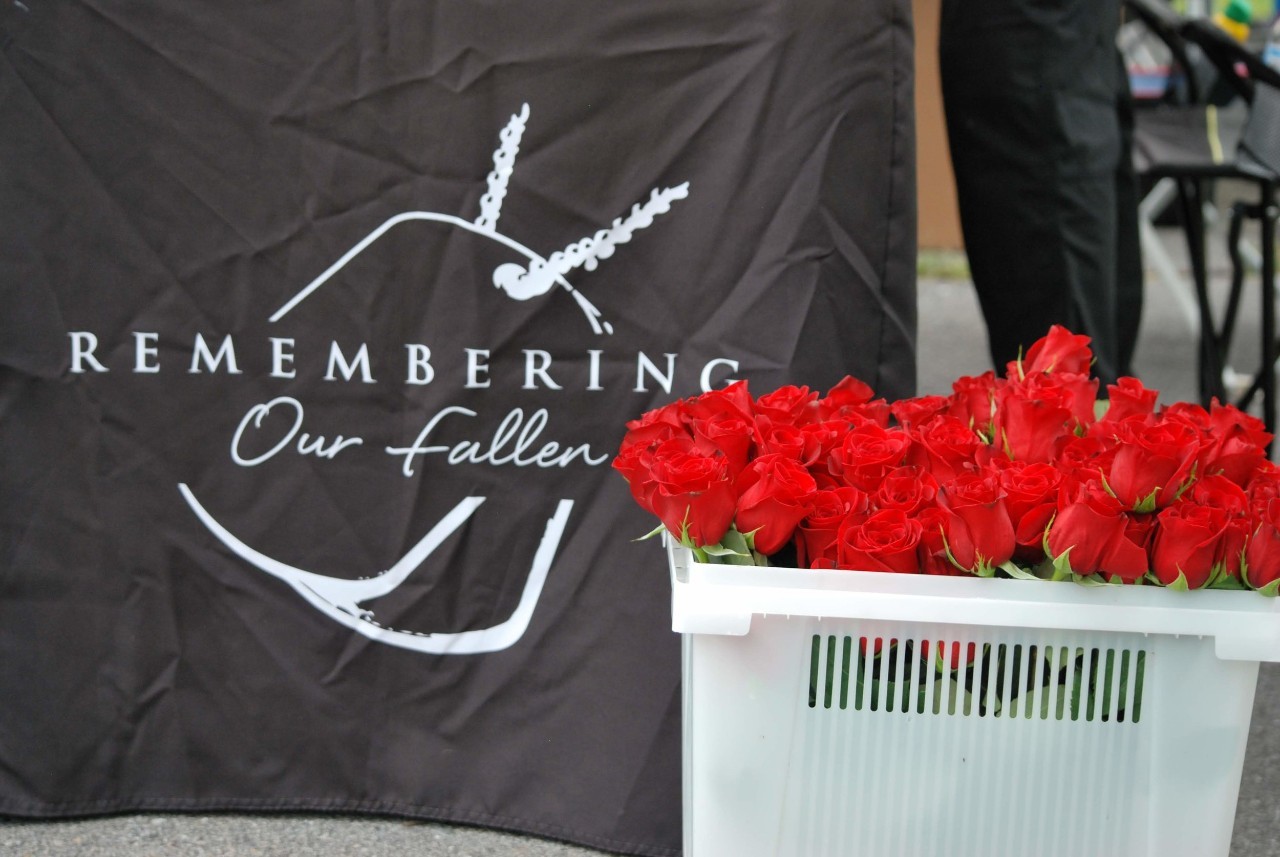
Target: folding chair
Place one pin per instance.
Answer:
(1200, 141)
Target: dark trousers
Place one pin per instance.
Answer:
(1039, 119)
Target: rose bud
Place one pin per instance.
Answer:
(817, 533)
(1031, 496)
(918, 411)
(946, 447)
(979, 531)
(726, 432)
(1094, 528)
(1152, 462)
(1238, 444)
(635, 463)
(694, 495)
(885, 541)
(1129, 398)
(907, 488)
(973, 400)
(774, 495)
(867, 453)
(1034, 417)
(1187, 544)
(933, 544)
(790, 405)
(1262, 555)
(850, 401)
(1059, 350)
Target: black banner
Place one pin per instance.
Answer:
(321, 323)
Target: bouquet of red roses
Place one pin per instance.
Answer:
(1030, 476)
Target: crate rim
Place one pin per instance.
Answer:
(722, 599)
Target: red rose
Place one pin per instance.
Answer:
(885, 541)
(918, 411)
(1031, 496)
(774, 494)
(1238, 444)
(1152, 462)
(973, 400)
(781, 439)
(734, 399)
(1188, 544)
(907, 488)
(1035, 416)
(727, 432)
(1263, 488)
(654, 427)
(932, 551)
(1090, 454)
(1219, 492)
(831, 508)
(848, 392)
(788, 405)
(867, 453)
(977, 523)
(692, 490)
(635, 463)
(1059, 350)
(1094, 528)
(1262, 556)
(1222, 493)
(1188, 412)
(850, 401)
(1129, 398)
(820, 438)
(946, 447)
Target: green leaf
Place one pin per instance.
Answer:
(1106, 486)
(1062, 566)
(1179, 585)
(1270, 589)
(684, 533)
(658, 529)
(723, 550)
(1090, 579)
(1223, 579)
(1044, 537)
(946, 547)
(1191, 480)
(1016, 571)
(1147, 503)
(736, 540)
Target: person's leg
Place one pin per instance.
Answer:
(1029, 93)
(1129, 273)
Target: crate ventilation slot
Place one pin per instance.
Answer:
(995, 680)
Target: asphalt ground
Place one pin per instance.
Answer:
(951, 343)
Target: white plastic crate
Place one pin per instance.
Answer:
(787, 753)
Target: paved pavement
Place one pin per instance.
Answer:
(951, 344)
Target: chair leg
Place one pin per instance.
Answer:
(1224, 334)
(1269, 213)
(1210, 366)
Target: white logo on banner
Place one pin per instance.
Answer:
(541, 275)
(344, 600)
